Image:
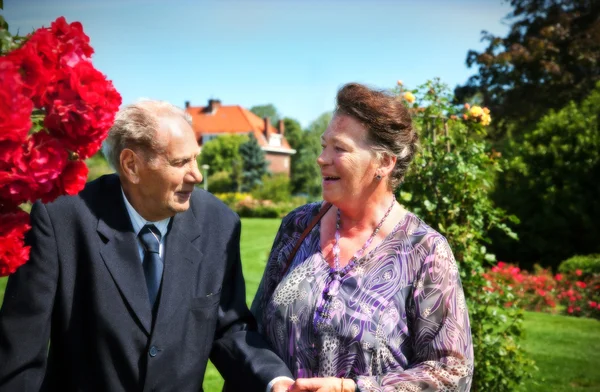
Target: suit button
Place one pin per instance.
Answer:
(153, 351)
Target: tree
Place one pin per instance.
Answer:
(306, 175)
(267, 110)
(293, 132)
(295, 136)
(552, 185)
(254, 165)
(222, 153)
(550, 56)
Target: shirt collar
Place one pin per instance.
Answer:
(138, 222)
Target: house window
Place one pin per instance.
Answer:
(208, 137)
(275, 140)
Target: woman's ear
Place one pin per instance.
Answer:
(387, 163)
(130, 165)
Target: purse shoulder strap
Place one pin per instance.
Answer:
(324, 208)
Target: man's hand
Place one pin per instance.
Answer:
(282, 385)
(327, 384)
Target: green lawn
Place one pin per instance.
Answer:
(566, 349)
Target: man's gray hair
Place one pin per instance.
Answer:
(136, 127)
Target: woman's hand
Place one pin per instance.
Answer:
(326, 384)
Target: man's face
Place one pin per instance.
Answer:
(166, 181)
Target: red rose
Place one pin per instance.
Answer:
(45, 44)
(81, 109)
(16, 188)
(13, 252)
(578, 272)
(15, 106)
(90, 149)
(75, 44)
(35, 75)
(10, 152)
(70, 182)
(44, 159)
(581, 285)
(74, 177)
(14, 222)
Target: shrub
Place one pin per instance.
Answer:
(232, 198)
(220, 182)
(536, 292)
(449, 186)
(275, 188)
(588, 265)
(580, 295)
(248, 207)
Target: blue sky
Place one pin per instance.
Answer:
(294, 54)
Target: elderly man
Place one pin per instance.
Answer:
(134, 283)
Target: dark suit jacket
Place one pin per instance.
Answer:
(84, 291)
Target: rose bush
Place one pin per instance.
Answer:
(55, 111)
(578, 294)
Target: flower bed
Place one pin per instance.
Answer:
(573, 294)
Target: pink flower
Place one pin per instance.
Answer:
(581, 285)
(541, 293)
(578, 272)
(558, 277)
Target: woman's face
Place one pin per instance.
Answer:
(348, 164)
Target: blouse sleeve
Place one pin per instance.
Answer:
(439, 329)
(289, 232)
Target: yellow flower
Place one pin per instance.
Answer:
(410, 98)
(486, 110)
(486, 119)
(476, 111)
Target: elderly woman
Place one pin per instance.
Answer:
(371, 298)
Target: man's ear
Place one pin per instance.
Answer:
(387, 163)
(130, 165)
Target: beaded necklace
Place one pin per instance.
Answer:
(359, 253)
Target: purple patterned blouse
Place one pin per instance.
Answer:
(395, 320)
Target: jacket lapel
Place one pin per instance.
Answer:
(181, 264)
(121, 256)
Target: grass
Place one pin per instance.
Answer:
(566, 349)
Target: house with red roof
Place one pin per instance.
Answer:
(214, 120)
